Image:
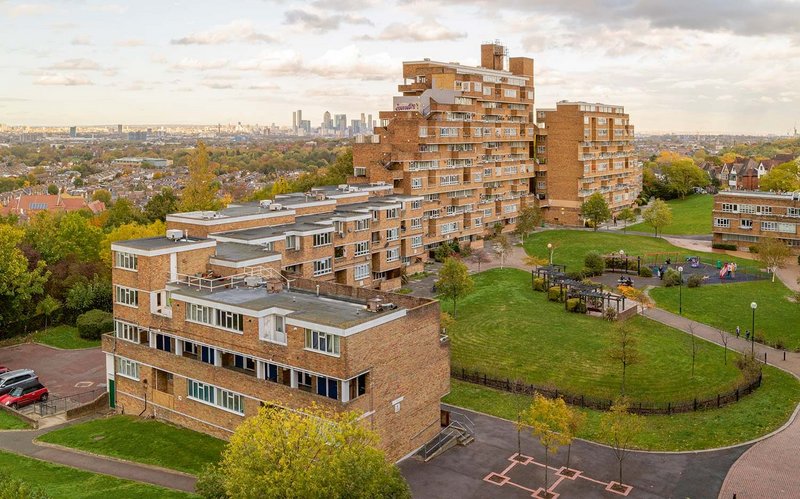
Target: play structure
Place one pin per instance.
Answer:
(693, 261)
(727, 270)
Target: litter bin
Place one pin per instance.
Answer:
(719, 264)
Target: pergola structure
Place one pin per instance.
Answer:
(619, 262)
(595, 299)
(550, 273)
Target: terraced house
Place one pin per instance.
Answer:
(461, 138)
(744, 217)
(207, 330)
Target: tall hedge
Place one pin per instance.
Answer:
(94, 323)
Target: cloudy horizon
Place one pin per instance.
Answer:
(703, 66)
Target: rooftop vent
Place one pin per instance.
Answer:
(264, 203)
(274, 285)
(319, 196)
(175, 234)
(342, 187)
(275, 207)
(253, 281)
(374, 304)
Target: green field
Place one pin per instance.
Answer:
(61, 481)
(141, 440)
(571, 247)
(506, 330)
(63, 336)
(689, 216)
(10, 422)
(759, 413)
(726, 306)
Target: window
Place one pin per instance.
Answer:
(360, 171)
(230, 401)
(511, 93)
(322, 342)
(375, 216)
(423, 131)
(292, 243)
(448, 132)
(358, 386)
(362, 248)
(189, 349)
(322, 267)
(392, 234)
(450, 227)
(764, 210)
(729, 208)
(271, 372)
(230, 320)
(393, 255)
(304, 381)
(392, 213)
(163, 342)
(126, 331)
(127, 296)
(448, 180)
(488, 212)
(322, 239)
(128, 368)
(722, 222)
(328, 387)
(478, 222)
(245, 363)
(127, 261)
(416, 241)
(477, 86)
(746, 224)
(416, 223)
(793, 212)
(510, 208)
(208, 355)
(201, 391)
(416, 204)
(769, 226)
(339, 252)
(362, 225)
(416, 183)
(218, 397)
(199, 313)
(362, 271)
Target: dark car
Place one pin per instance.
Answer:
(26, 393)
(12, 379)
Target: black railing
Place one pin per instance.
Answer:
(57, 405)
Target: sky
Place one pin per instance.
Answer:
(707, 66)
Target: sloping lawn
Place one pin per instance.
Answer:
(506, 330)
(571, 247)
(63, 336)
(759, 413)
(10, 422)
(141, 440)
(689, 216)
(61, 481)
(726, 306)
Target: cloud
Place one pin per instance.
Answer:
(343, 5)
(263, 86)
(240, 31)
(130, 42)
(79, 64)
(427, 31)
(321, 23)
(189, 63)
(81, 40)
(29, 9)
(110, 8)
(60, 79)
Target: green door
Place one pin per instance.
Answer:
(112, 394)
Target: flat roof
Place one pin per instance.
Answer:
(160, 242)
(470, 69)
(788, 196)
(335, 312)
(239, 252)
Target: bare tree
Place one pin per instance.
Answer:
(693, 345)
(480, 256)
(723, 337)
(624, 350)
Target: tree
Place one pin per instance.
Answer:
(549, 422)
(52, 189)
(127, 232)
(161, 205)
(280, 186)
(624, 349)
(285, 453)
(595, 210)
(683, 175)
(502, 245)
(619, 428)
(626, 216)
(56, 237)
(723, 337)
(200, 192)
(480, 256)
(102, 195)
(693, 346)
(122, 212)
(773, 253)
(454, 281)
(528, 219)
(783, 177)
(658, 215)
(47, 306)
(575, 422)
(18, 284)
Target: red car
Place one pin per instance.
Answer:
(4, 369)
(24, 395)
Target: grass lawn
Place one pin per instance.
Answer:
(689, 216)
(10, 422)
(141, 440)
(727, 305)
(571, 247)
(506, 330)
(63, 336)
(62, 481)
(755, 415)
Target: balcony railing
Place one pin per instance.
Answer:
(212, 282)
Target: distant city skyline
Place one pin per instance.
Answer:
(702, 66)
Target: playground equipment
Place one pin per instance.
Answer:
(693, 261)
(728, 270)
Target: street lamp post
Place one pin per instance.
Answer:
(753, 305)
(680, 292)
(621, 260)
(550, 249)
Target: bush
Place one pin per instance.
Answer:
(694, 281)
(753, 249)
(672, 278)
(555, 294)
(724, 246)
(575, 305)
(210, 483)
(12, 488)
(594, 263)
(798, 259)
(538, 284)
(610, 314)
(94, 323)
(645, 272)
(577, 275)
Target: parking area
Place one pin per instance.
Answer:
(63, 372)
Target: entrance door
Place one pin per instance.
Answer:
(112, 394)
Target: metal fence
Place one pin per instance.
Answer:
(57, 405)
(644, 408)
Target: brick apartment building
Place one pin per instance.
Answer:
(462, 139)
(583, 148)
(207, 329)
(744, 217)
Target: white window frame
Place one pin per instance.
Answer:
(361, 271)
(392, 254)
(127, 261)
(323, 239)
(416, 183)
(392, 234)
(330, 341)
(128, 368)
(416, 241)
(416, 223)
(128, 297)
(127, 331)
(361, 249)
(362, 225)
(323, 266)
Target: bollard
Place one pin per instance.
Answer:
(784, 355)
(765, 357)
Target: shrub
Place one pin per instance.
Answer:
(92, 324)
(672, 278)
(694, 281)
(724, 246)
(576, 275)
(594, 263)
(538, 284)
(17, 489)
(798, 259)
(753, 249)
(645, 272)
(572, 304)
(555, 294)
(610, 314)
(210, 483)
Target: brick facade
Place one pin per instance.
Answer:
(743, 218)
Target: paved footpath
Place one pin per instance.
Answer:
(21, 442)
(769, 468)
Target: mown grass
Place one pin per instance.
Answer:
(10, 422)
(63, 336)
(141, 440)
(689, 216)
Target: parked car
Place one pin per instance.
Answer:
(27, 393)
(4, 369)
(12, 379)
